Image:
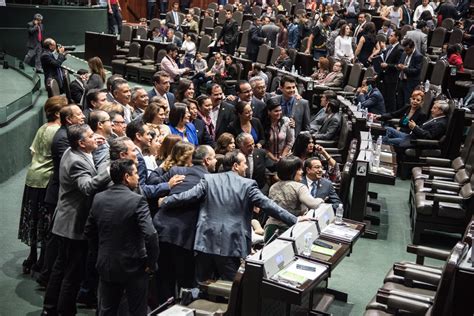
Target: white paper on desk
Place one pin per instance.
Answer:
(340, 231)
(386, 157)
(299, 273)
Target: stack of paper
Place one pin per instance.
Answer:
(342, 232)
(298, 272)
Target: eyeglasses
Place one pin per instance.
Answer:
(119, 122)
(106, 121)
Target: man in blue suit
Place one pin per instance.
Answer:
(318, 186)
(410, 65)
(51, 60)
(161, 87)
(370, 97)
(223, 233)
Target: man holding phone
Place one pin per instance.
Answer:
(35, 38)
(370, 97)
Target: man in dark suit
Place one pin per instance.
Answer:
(223, 237)
(51, 60)
(161, 87)
(35, 38)
(177, 227)
(283, 61)
(259, 89)
(318, 186)
(255, 39)
(79, 180)
(77, 86)
(245, 93)
(410, 65)
(174, 18)
(296, 109)
(120, 228)
(370, 97)
(270, 31)
(388, 77)
(331, 125)
(222, 113)
(229, 34)
(256, 159)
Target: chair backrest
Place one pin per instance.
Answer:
(245, 39)
(53, 88)
(154, 23)
(270, 78)
(346, 179)
(238, 16)
(439, 72)
(134, 50)
(179, 34)
(204, 44)
(197, 11)
(292, 53)
(246, 25)
(456, 36)
(66, 84)
(354, 77)
(257, 10)
(126, 34)
(207, 22)
(427, 103)
(448, 24)
(451, 143)
(211, 62)
(469, 58)
(149, 52)
(263, 53)
(275, 54)
(213, 5)
(424, 68)
(217, 31)
(443, 299)
(142, 32)
(160, 55)
(369, 72)
(343, 142)
(437, 39)
(221, 17)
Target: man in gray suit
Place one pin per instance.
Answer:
(223, 228)
(332, 122)
(79, 181)
(296, 110)
(419, 36)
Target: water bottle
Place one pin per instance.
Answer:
(359, 107)
(370, 118)
(339, 214)
(379, 145)
(427, 85)
(308, 242)
(293, 70)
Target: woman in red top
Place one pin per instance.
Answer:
(454, 57)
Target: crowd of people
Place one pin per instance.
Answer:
(174, 183)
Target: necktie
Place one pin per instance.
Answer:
(40, 35)
(390, 48)
(314, 188)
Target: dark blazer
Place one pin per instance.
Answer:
(431, 129)
(170, 22)
(260, 162)
(235, 129)
(230, 32)
(202, 135)
(79, 182)
(325, 191)
(33, 34)
(284, 64)
(150, 191)
(58, 146)
(270, 32)
(226, 232)
(330, 128)
(418, 117)
(258, 108)
(119, 226)
(177, 226)
(372, 101)
(169, 95)
(255, 39)
(413, 71)
(77, 90)
(390, 74)
(225, 117)
(300, 114)
(51, 66)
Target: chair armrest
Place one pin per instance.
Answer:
(422, 252)
(446, 185)
(399, 300)
(119, 56)
(430, 143)
(216, 288)
(435, 172)
(417, 275)
(326, 143)
(322, 87)
(393, 122)
(133, 59)
(447, 198)
(439, 162)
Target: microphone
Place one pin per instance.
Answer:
(291, 231)
(272, 238)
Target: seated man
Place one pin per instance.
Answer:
(370, 97)
(283, 61)
(189, 22)
(330, 128)
(169, 65)
(318, 119)
(432, 129)
(334, 78)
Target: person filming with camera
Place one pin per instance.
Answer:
(52, 58)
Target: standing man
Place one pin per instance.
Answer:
(256, 159)
(410, 65)
(35, 39)
(419, 37)
(222, 113)
(318, 38)
(255, 39)
(169, 65)
(122, 96)
(223, 228)
(114, 16)
(245, 94)
(119, 227)
(174, 18)
(79, 181)
(161, 87)
(229, 34)
(139, 101)
(101, 125)
(51, 60)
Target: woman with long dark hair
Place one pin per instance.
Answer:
(366, 44)
(245, 122)
(185, 90)
(180, 125)
(279, 135)
(97, 77)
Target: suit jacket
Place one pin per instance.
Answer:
(77, 90)
(325, 191)
(413, 71)
(270, 32)
(420, 39)
(390, 74)
(300, 114)
(203, 136)
(51, 66)
(33, 34)
(372, 101)
(258, 108)
(171, 98)
(177, 226)
(119, 226)
(255, 39)
(170, 22)
(260, 162)
(59, 145)
(284, 64)
(150, 191)
(431, 129)
(223, 226)
(330, 128)
(79, 181)
(235, 129)
(225, 117)
(418, 117)
(230, 32)
(333, 80)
